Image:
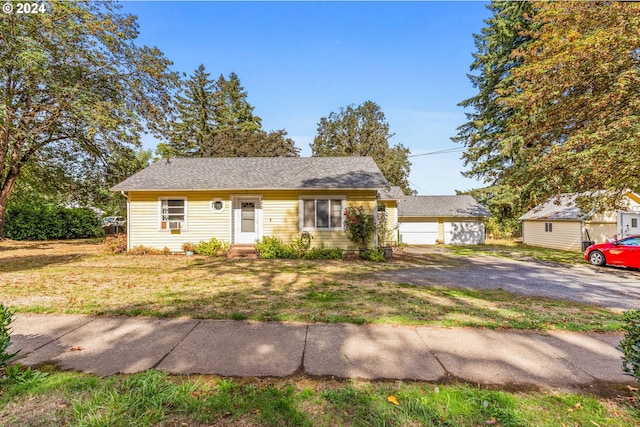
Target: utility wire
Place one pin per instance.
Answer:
(447, 150)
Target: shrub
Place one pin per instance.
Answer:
(322, 253)
(375, 255)
(50, 222)
(359, 225)
(116, 244)
(630, 344)
(213, 247)
(5, 337)
(146, 250)
(272, 247)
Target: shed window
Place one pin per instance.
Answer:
(321, 213)
(634, 222)
(548, 227)
(173, 214)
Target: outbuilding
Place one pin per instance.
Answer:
(559, 223)
(429, 220)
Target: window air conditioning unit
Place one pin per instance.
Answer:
(174, 225)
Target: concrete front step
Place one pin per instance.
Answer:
(243, 251)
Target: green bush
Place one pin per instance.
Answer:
(50, 222)
(359, 225)
(630, 344)
(5, 337)
(375, 255)
(213, 247)
(272, 247)
(322, 253)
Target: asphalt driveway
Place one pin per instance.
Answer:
(609, 287)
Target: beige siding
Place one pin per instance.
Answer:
(280, 217)
(599, 232)
(564, 235)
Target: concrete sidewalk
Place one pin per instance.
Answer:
(111, 345)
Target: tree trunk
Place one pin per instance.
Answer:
(5, 191)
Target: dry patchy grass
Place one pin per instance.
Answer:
(76, 277)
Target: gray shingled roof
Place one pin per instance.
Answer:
(562, 206)
(441, 206)
(263, 173)
(392, 193)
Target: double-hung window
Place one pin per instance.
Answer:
(321, 213)
(173, 214)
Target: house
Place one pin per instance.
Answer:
(559, 223)
(240, 200)
(428, 220)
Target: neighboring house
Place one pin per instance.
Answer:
(428, 220)
(560, 224)
(240, 200)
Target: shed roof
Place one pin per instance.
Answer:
(462, 206)
(562, 207)
(265, 173)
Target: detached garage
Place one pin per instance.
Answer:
(429, 220)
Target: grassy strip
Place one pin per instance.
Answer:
(78, 279)
(154, 399)
(520, 252)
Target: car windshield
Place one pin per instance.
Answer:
(630, 241)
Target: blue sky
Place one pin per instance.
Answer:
(300, 61)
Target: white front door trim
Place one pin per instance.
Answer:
(247, 218)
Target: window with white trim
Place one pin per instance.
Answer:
(172, 214)
(548, 227)
(321, 213)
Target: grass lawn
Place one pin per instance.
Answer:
(154, 399)
(76, 277)
(510, 249)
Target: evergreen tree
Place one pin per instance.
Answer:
(215, 119)
(232, 109)
(196, 116)
(485, 151)
(363, 131)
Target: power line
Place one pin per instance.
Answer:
(447, 150)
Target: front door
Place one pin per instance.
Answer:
(247, 214)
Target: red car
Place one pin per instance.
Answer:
(624, 252)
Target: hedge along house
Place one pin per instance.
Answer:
(559, 223)
(430, 220)
(240, 200)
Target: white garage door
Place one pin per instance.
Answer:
(463, 233)
(419, 233)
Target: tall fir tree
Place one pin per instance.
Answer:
(508, 29)
(196, 116)
(232, 109)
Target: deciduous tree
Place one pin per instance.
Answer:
(73, 77)
(363, 131)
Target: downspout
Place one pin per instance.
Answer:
(375, 223)
(128, 218)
